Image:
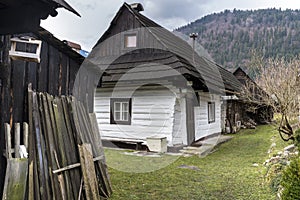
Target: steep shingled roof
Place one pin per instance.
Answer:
(213, 76)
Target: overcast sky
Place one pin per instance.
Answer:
(97, 14)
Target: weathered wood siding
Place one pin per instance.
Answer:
(202, 127)
(152, 114)
(127, 23)
(55, 74)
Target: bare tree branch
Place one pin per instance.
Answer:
(276, 84)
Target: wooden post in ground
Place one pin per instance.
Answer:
(17, 138)
(8, 141)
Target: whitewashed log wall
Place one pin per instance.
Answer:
(156, 112)
(202, 127)
(152, 114)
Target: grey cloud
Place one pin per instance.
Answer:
(186, 9)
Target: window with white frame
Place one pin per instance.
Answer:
(120, 111)
(211, 112)
(130, 41)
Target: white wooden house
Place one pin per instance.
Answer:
(152, 84)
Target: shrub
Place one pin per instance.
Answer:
(297, 139)
(291, 181)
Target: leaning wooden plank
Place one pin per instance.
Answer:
(57, 156)
(25, 134)
(31, 147)
(8, 141)
(17, 137)
(96, 134)
(75, 121)
(88, 172)
(106, 184)
(50, 147)
(45, 171)
(62, 150)
(86, 121)
(15, 179)
(78, 121)
(39, 151)
(88, 134)
(69, 149)
(61, 181)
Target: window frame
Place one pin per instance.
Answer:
(122, 101)
(211, 105)
(123, 40)
(126, 39)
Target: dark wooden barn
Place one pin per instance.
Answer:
(263, 113)
(53, 70)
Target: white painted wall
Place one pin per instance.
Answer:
(179, 127)
(152, 114)
(202, 127)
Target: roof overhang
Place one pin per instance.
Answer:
(19, 16)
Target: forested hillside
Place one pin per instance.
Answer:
(229, 36)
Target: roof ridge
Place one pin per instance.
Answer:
(145, 26)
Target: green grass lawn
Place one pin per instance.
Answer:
(228, 173)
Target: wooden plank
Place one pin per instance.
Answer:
(39, 151)
(15, 179)
(88, 135)
(96, 134)
(69, 148)
(43, 78)
(73, 72)
(64, 75)
(73, 154)
(62, 150)
(44, 160)
(8, 141)
(50, 145)
(31, 148)
(25, 134)
(18, 94)
(88, 172)
(74, 165)
(53, 71)
(56, 153)
(17, 138)
(61, 180)
(102, 169)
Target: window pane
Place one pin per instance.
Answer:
(125, 107)
(117, 107)
(125, 116)
(130, 40)
(117, 116)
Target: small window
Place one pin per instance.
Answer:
(211, 112)
(130, 41)
(120, 111)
